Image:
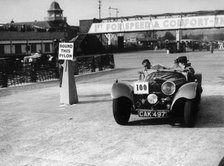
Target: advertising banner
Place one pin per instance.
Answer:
(196, 22)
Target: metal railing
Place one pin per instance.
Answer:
(15, 72)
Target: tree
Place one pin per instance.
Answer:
(169, 36)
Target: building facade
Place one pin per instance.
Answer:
(20, 39)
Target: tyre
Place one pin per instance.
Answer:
(175, 121)
(122, 110)
(221, 162)
(189, 113)
(176, 114)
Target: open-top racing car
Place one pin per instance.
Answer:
(162, 94)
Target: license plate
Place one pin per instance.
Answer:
(152, 113)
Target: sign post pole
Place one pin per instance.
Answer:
(68, 91)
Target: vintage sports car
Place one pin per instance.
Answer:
(162, 94)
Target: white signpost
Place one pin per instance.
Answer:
(68, 91)
(65, 51)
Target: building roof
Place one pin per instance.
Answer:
(7, 36)
(40, 24)
(37, 24)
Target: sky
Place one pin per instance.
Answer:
(75, 10)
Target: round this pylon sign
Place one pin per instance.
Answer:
(65, 51)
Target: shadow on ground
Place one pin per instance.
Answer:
(94, 98)
(145, 122)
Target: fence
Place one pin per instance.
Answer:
(15, 72)
(92, 63)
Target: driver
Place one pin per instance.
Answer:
(148, 68)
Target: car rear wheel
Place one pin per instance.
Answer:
(122, 110)
(189, 113)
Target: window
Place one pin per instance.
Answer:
(18, 49)
(33, 48)
(47, 47)
(2, 49)
(7, 49)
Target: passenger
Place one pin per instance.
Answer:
(186, 67)
(175, 66)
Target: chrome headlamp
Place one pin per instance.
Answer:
(168, 88)
(152, 98)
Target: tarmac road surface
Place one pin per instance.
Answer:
(36, 130)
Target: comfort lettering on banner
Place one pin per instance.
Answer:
(65, 51)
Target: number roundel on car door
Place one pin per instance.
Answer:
(141, 87)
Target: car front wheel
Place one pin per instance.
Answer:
(189, 113)
(122, 110)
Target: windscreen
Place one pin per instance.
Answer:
(165, 75)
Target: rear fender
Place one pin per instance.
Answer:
(122, 90)
(187, 91)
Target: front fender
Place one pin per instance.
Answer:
(187, 91)
(122, 90)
